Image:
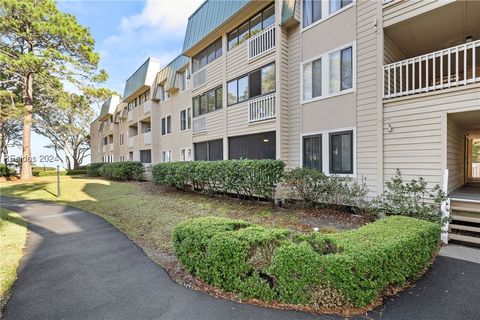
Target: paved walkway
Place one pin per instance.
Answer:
(78, 266)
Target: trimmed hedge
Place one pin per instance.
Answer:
(350, 269)
(250, 178)
(49, 173)
(126, 170)
(93, 169)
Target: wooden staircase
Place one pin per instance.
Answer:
(465, 215)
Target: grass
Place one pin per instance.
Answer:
(147, 217)
(13, 232)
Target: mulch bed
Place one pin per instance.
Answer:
(325, 219)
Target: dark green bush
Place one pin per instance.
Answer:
(250, 178)
(313, 188)
(126, 170)
(411, 199)
(76, 172)
(93, 169)
(6, 171)
(351, 268)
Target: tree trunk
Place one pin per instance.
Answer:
(27, 130)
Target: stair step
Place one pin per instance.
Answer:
(465, 218)
(459, 237)
(464, 228)
(465, 208)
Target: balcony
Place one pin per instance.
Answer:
(130, 115)
(261, 43)
(199, 124)
(261, 109)
(147, 138)
(446, 68)
(131, 142)
(199, 78)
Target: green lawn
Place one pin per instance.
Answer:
(147, 216)
(13, 232)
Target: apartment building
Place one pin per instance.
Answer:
(353, 88)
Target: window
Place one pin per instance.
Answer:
(330, 74)
(182, 80)
(312, 152)
(208, 150)
(208, 102)
(166, 156)
(207, 55)
(341, 70)
(252, 146)
(121, 139)
(312, 10)
(251, 27)
(341, 152)
(258, 82)
(186, 154)
(312, 79)
(145, 156)
(166, 125)
(185, 119)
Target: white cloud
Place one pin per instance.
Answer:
(170, 15)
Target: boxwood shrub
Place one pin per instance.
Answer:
(93, 169)
(125, 170)
(250, 178)
(347, 269)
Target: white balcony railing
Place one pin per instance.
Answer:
(261, 43)
(199, 78)
(199, 124)
(130, 115)
(451, 67)
(131, 142)
(261, 109)
(147, 138)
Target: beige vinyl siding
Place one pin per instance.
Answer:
(391, 52)
(368, 100)
(294, 124)
(215, 127)
(213, 76)
(418, 134)
(400, 10)
(238, 63)
(455, 155)
(176, 140)
(283, 115)
(237, 120)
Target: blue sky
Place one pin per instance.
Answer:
(126, 33)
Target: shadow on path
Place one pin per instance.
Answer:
(78, 266)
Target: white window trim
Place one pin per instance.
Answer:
(171, 125)
(169, 152)
(186, 154)
(326, 74)
(325, 8)
(191, 119)
(326, 150)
